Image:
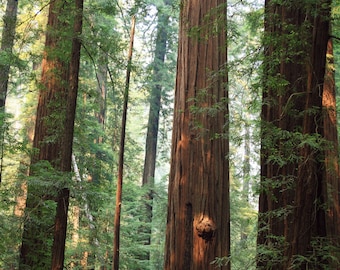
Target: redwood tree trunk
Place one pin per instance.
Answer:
(331, 185)
(198, 211)
(53, 139)
(293, 176)
(60, 224)
(36, 248)
(119, 190)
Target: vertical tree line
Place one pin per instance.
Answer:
(198, 210)
(155, 99)
(297, 195)
(7, 43)
(82, 107)
(53, 138)
(119, 190)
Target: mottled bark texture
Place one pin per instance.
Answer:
(198, 210)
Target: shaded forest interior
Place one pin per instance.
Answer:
(178, 135)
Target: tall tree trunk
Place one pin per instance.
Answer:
(36, 240)
(7, 42)
(198, 210)
(331, 185)
(53, 138)
(60, 224)
(153, 121)
(292, 199)
(116, 240)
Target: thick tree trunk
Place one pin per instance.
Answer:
(53, 139)
(36, 248)
(60, 224)
(331, 185)
(198, 211)
(292, 159)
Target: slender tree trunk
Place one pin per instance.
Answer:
(198, 210)
(153, 121)
(246, 175)
(102, 90)
(7, 42)
(100, 115)
(53, 138)
(116, 240)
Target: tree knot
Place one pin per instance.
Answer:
(206, 229)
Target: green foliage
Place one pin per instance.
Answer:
(271, 255)
(243, 229)
(46, 180)
(244, 27)
(10, 229)
(104, 41)
(323, 255)
(285, 143)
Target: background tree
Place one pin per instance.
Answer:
(198, 211)
(6, 58)
(244, 27)
(155, 99)
(294, 200)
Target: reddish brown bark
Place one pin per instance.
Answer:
(53, 139)
(331, 186)
(35, 249)
(60, 224)
(293, 175)
(198, 210)
(116, 237)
